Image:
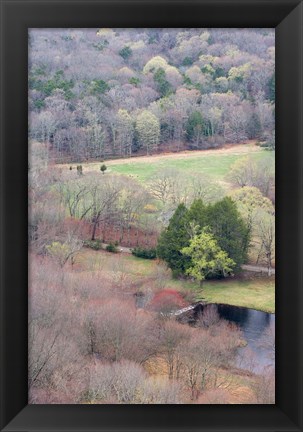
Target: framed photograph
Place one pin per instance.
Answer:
(144, 141)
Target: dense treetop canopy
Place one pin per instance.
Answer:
(203, 87)
(223, 224)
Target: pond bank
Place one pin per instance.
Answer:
(258, 331)
(256, 293)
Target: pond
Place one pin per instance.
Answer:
(258, 330)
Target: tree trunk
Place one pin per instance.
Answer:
(95, 223)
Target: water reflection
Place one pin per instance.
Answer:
(258, 329)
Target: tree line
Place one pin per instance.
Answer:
(100, 93)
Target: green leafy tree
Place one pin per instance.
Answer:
(173, 239)
(207, 258)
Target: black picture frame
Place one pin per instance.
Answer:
(17, 16)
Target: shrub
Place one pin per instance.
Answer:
(111, 248)
(79, 170)
(150, 208)
(103, 168)
(167, 300)
(176, 274)
(262, 144)
(267, 145)
(144, 253)
(93, 244)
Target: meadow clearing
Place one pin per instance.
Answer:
(213, 162)
(181, 170)
(250, 291)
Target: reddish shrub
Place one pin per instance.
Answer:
(167, 300)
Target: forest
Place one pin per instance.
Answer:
(103, 93)
(151, 212)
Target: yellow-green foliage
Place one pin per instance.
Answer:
(155, 63)
(60, 252)
(207, 257)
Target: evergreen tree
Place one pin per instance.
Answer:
(223, 222)
(229, 230)
(254, 127)
(194, 127)
(163, 86)
(272, 88)
(103, 168)
(173, 239)
(197, 214)
(125, 52)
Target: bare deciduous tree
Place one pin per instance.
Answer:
(266, 238)
(118, 382)
(62, 252)
(264, 387)
(172, 336)
(268, 341)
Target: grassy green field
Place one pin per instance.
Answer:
(215, 166)
(256, 293)
(216, 162)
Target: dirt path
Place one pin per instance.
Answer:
(235, 149)
(120, 248)
(247, 267)
(257, 269)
